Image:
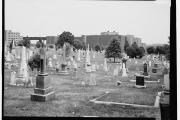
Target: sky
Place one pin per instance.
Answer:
(148, 20)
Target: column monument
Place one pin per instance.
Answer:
(43, 91)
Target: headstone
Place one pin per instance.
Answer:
(124, 74)
(94, 55)
(136, 62)
(50, 63)
(92, 79)
(88, 64)
(115, 72)
(105, 65)
(93, 67)
(149, 63)
(23, 65)
(140, 80)
(78, 55)
(145, 69)
(166, 82)
(154, 70)
(13, 78)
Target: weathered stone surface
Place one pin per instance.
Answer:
(154, 70)
(140, 80)
(42, 81)
(43, 98)
(43, 91)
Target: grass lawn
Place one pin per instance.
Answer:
(72, 98)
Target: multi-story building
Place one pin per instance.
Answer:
(9, 36)
(105, 39)
(138, 41)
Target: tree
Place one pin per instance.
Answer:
(160, 50)
(65, 37)
(142, 52)
(150, 50)
(10, 46)
(113, 50)
(97, 48)
(135, 51)
(25, 42)
(131, 52)
(126, 45)
(51, 46)
(167, 51)
(38, 44)
(78, 44)
(34, 61)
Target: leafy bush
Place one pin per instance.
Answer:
(114, 50)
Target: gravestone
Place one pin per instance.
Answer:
(43, 91)
(154, 70)
(50, 63)
(23, 75)
(92, 79)
(88, 63)
(116, 71)
(145, 70)
(140, 81)
(124, 74)
(136, 62)
(65, 63)
(105, 65)
(13, 78)
(149, 63)
(166, 82)
(78, 55)
(93, 68)
(94, 55)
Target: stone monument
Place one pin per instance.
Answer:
(105, 65)
(140, 83)
(13, 78)
(64, 64)
(124, 74)
(88, 64)
(145, 69)
(43, 91)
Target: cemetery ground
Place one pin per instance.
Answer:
(73, 98)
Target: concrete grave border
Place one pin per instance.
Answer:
(156, 103)
(146, 81)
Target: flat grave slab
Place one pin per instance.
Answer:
(138, 97)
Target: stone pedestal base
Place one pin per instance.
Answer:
(139, 86)
(43, 92)
(43, 98)
(63, 73)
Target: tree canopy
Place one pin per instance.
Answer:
(65, 37)
(97, 48)
(150, 50)
(113, 50)
(25, 42)
(126, 45)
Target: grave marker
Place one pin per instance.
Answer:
(13, 78)
(43, 92)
